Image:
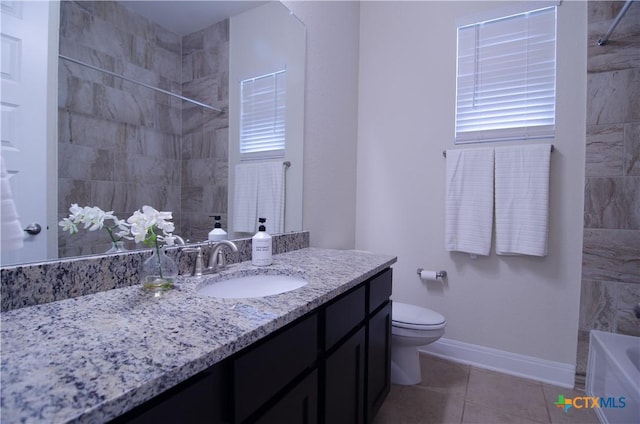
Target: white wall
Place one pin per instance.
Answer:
(523, 305)
(330, 129)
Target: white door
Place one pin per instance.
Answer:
(27, 126)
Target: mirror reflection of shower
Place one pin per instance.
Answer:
(122, 145)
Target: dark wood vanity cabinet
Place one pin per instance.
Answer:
(378, 360)
(378, 375)
(344, 381)
(330, 366)
(266, 375)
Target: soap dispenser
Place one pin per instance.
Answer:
(261, 246)
(217, 233)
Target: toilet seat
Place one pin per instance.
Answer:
(415, 317)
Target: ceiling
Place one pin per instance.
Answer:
(186, 17)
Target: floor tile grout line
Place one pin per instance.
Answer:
(466, 390)
(546, 403)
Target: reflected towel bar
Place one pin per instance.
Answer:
(444, 152)
(113, 74)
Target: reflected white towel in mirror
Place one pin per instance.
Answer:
(11, 233)
(259, 193)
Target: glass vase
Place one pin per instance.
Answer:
(116, 247)
(158, 271)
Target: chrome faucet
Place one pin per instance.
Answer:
(179, 240)
(217, 260)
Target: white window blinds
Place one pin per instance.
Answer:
(506, 78)
(262, 116)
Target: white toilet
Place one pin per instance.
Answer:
(411, 326)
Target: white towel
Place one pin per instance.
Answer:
(469, 201)
(259, 193)
(522, 199)
(245, 198)
(11, 234)
(271, 196)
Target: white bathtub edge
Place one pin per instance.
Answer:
(619, 359)
(608, 367)
(542, 370)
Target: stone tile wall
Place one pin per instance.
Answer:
(122, 145)
(611, 245)
(118, 142)
(205, 156)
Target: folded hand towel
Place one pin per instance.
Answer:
(522, 199)
(469, 201)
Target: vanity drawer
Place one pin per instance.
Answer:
(344, 315)
(266, 369)
(379, 290)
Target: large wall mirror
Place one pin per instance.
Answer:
(120, 141)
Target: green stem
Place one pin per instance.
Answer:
(159, 259)
(110, 234)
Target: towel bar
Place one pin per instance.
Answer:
(444, 152)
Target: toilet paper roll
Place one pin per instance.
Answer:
(428, 275)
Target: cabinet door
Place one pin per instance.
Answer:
(343, 315)
(379, 360)
(298, 406)
(262, 371)
(201, 399)
(344, 382)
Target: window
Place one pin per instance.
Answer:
(506, 78)
(262, 116)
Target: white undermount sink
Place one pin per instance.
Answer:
(252, 286)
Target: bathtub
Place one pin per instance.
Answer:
(613, 375)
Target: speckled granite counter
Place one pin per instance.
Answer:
(92, 358)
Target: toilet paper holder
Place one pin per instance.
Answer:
(439, 274)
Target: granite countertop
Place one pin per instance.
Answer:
(92, 358)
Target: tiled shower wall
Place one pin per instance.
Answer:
(122, 145)
(205, 156)
(611, 250)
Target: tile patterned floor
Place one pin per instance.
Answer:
(457, 393)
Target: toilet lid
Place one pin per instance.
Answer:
(415, 317)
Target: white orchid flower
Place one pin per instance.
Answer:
(170, 240)
(146, 224)
(94, 219)
(76, 212)
(138, 226)
(68, 225)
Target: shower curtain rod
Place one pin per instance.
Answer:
(602, 41)
(95, 68)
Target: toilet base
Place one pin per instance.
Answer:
(405, 365)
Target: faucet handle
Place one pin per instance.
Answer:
(221, 261)
(198, 266)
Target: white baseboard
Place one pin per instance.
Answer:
(550, 372)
